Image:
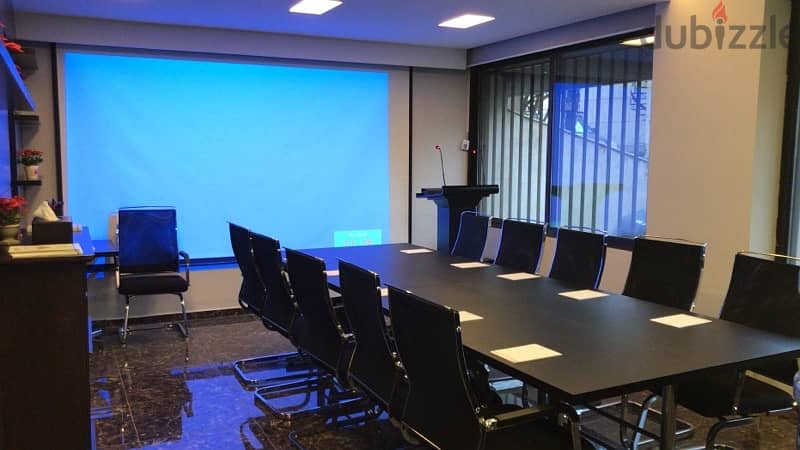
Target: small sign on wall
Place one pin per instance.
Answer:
(350, 238)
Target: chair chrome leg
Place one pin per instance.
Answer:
(721, 425)
(292, 366)
(646, 405)
(184, 327)
(623, 413)
(123, 332)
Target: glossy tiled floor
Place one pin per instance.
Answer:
(163, 392)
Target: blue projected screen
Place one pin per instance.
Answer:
(298, 153)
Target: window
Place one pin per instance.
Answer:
(601, 140)
(567, 138)
(515, 106)
(788, 227)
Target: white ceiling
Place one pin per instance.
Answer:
(399, 21)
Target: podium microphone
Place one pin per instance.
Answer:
(441, 158)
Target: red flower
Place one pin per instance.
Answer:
(11, 210)
(30, 157)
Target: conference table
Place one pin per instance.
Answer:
(608, 344)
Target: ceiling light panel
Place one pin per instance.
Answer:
(466, 21)
(316, 7)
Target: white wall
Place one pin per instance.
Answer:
(715, 137)
(440, 108)
(96, 32)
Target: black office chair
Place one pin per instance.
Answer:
(251, 292)
(442, 408)
(520, 245)
(579, 258)
(664, 271)
(375, 365)
(763, 294)
(471, 238)
(321, 336)
(253, 297)
(148, 262)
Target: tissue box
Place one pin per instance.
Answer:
(59, 232)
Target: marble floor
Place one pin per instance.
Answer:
(163, 392)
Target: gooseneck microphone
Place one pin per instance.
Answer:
(441, 159)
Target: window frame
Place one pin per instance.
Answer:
(618, 242)
(791, 144)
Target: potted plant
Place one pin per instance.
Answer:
(31, 159)
(10, 218)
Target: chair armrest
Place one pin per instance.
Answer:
(185, 257)
(519, 417)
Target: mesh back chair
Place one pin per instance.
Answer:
(579, 258)
(664, 271)
(320, 335)
(441, 407)
(148, 262)
(471, 238)
(763, 294)
(520, 245)
(374, 368)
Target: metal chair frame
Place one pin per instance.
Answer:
(183, 327)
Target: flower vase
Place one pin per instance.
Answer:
(9, 234)
(31, 173)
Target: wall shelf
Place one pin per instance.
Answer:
(26, 116)
(28, 183)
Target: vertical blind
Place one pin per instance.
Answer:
(514, 116)
(594, 106)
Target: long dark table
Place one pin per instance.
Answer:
(609, 346)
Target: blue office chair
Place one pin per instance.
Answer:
(579, 258)
(148, 262)
(521, 245)
(471, 239)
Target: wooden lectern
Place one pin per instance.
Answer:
(451, 202)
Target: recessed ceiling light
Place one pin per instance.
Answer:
(314, 6)
(638, 42)
(466, 21)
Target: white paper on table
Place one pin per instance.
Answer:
(525, 353)
(415, 251)
(680, 320)
(384, 292)
(469, 265)
(583, 294)
(332, 273)
(466, 316)
(518, 276)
